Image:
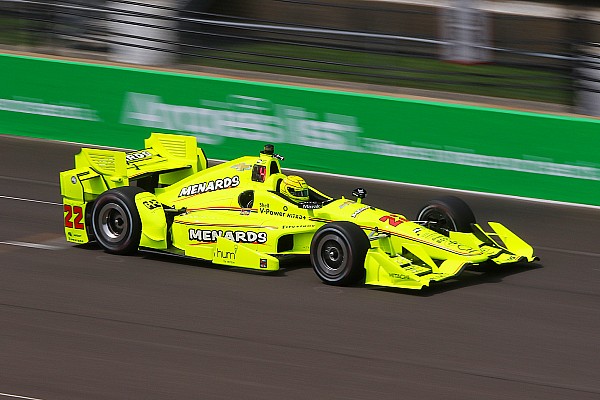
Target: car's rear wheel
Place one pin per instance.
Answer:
(116, 222)
(447, 213)
(337, 253)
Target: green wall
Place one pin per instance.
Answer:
(463, 147)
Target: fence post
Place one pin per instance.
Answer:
(588, 94)
(466, 29)
(144, 31)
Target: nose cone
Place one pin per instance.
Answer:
(443, 247)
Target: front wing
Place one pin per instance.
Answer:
(412, 268)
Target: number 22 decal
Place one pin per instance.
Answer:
(73, 216)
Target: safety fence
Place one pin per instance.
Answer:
(532, 57)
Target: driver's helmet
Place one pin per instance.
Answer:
(295, 188)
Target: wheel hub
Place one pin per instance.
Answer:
(113, 222)
(439, 220)
(332, 255)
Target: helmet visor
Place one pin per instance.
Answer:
(303, 193)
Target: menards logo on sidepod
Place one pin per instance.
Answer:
(210, 236)
(210, 186)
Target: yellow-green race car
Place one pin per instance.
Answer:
(247, 213)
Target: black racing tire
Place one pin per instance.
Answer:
(337, 253)
(116, 221)
(448, 213)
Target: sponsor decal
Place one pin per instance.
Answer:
(265, 208)
(416, 269)
(310, 205)
(210, 186)
(260, 119)
(39, 107)
(263, 263)
(296, 216)
(444, 240)
(297, 226)
(429, 234)
(355, 213)
(244, 117)
(346, 203)
(226, 255)
(151, 204)
(210, 236)
(75, 238)
(393, 220)
(242, 167)
(413, 269)
(137, 156)
(470, 158)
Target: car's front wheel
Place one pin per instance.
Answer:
(116, 221)
(447, 213)
(337, 253)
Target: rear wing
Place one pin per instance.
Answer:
(165, 160)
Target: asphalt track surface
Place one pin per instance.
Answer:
(77, 323)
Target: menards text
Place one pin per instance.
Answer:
(210, 186)
(210, 236)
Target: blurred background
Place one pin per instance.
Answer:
(540, 55)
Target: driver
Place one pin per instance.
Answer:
(294, 188)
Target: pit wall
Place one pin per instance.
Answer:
(446, 145)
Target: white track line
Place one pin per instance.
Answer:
(30, 200)
(50, 247)
(381, 181)
(471, 192)
(575, 252)
(19, 397)
(30, 245)
(328, 174)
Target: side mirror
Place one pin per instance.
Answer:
(360, 194)
(269, 149)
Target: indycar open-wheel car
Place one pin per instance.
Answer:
(247, 213)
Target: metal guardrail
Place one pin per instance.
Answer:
(543, 69)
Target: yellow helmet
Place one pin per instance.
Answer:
(295, 188)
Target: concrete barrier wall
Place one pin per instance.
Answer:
(462, 147)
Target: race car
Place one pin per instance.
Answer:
(247, 213)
